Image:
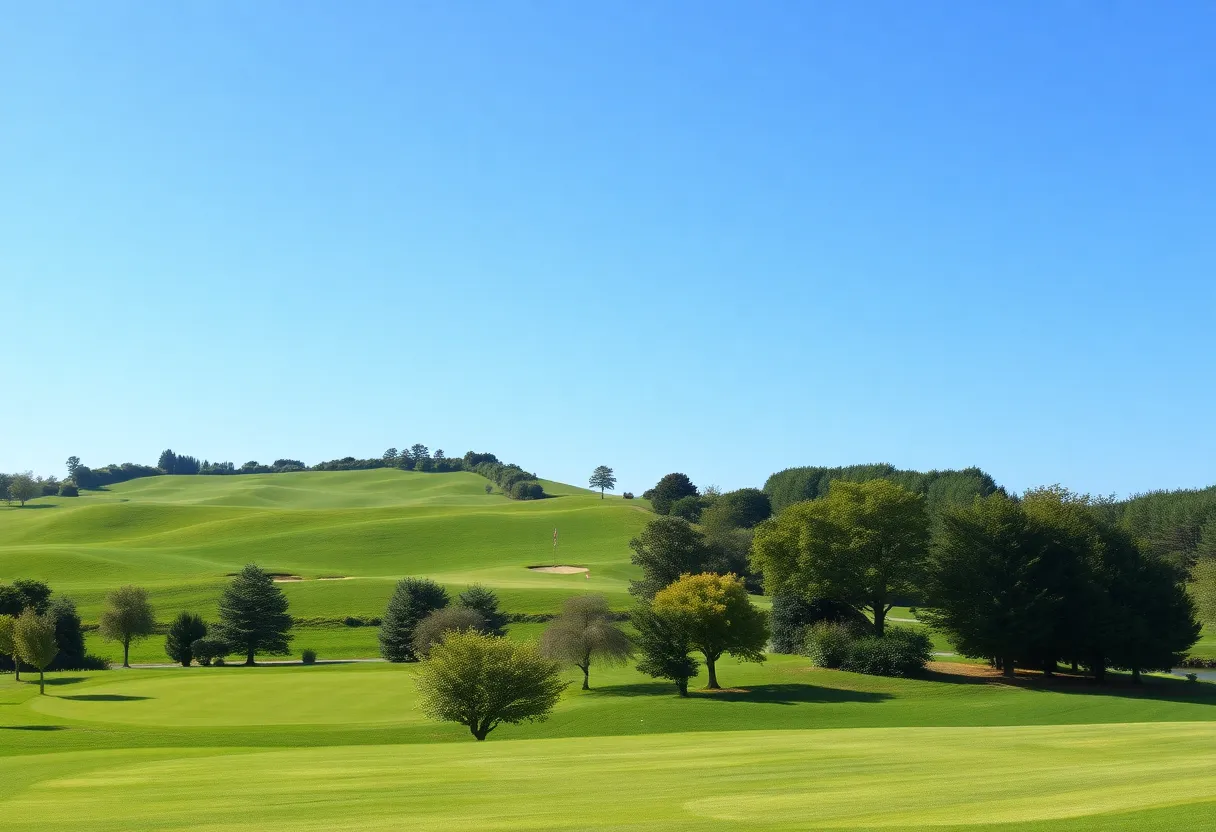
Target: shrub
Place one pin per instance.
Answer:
(829, 643)
(69, 489)
(489, 488)
(899, 652)
(219, 662)
(208, 650)
(353, 621)
(628, 495)
(527, 490)
(308, 656)
(440, 623)
(793, 615)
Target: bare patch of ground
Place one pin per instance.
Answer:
(559, 570)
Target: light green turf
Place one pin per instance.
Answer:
(180, 536)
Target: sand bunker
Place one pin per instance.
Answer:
(559, 570)
(282, 579)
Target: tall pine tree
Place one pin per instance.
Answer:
(253, 615)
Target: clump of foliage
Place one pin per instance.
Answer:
(828, 643)
(186, 629)
(898, 652)
(940, 489)
(792, 615)
(485, 681)
(585, 632)
(440, 623)
(207, 651)
(665, 647)
(484, 602)
(34, 638)
(253, 615)
(127, 617)
(413, 599)
(718, 617)
(308, 656)
(668, 490)
(666, 549)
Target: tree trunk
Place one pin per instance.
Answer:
(713, 674)
(1075, 669)
(586, 668)
(1136, 676)
(41, 682)
(249, 657)
(17, 666)
(682, 687)
(126, 652)
(880, 619)
(1008, 668)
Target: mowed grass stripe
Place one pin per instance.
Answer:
(779, 780)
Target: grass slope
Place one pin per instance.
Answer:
(180, 537)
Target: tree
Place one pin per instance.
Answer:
(34, 636)
(996, 584)
(438, 624)
(413, 600)
(73, 464)
(24, 487)
(665, 646)
(391, 457)
(686, 508)
(669, 489)
(602, 478)
(418, 453)
(207, 650)
(742, 509)
(126, 618)
(718, 617)
(1203, 589)
(666, 549)
(69, 635)
(585, 632)
(24, 593)
(864, 544)
(253, 615)
(1159, 623)
(792, 615)
(186, 629)
(167, 461)
(485, 603)
(485, 681)
(8, 643)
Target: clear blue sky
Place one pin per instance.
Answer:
(718, 238)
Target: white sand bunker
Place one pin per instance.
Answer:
(559, 570)
(283, 579)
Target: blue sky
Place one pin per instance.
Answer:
(719, 238)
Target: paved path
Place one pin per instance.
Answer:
(260, 664)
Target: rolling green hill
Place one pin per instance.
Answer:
(179, 536)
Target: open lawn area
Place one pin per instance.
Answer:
(787, 747)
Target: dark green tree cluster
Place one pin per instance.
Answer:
(23, 487)
(24, 594)
(416, 617)
(939, 488)
(171, 463)
(1178, 526)
(514, 481)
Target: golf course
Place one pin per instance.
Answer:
(345, 744)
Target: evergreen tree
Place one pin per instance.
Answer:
(186, 629)
(484, 602)
(253, 615)
(413, 600)
(603, 478)
(167, 461)
(669, 489)
(69, 634)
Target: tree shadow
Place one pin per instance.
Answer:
(33, 728)
(29, 506)
(60, 680)
(778, 694)
(105, 697)
(1116, 684)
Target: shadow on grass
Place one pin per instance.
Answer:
(782, 694)
(1116, 684)
(105, 697)
(33, 728)
(58, 681)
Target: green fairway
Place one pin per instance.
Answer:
(181, 536)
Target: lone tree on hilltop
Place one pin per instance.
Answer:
(24, 487)
(583, 633)
(484, 681)
(73, 464)
(413, 600)
(35, 640)
(717, 616)
(665, 646)
(186, 629)
(602, 478)
(865, 544)
(485, 603)
(669, 489)
(127, 617)
(253, 615)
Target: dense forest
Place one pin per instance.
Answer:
(940, 488)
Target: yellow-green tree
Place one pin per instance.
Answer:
(8, 643)
(35, 638)
(864, 544)
(717, 616)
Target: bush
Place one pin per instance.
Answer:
(527, 490)
(69, 489)
(308, 656)
(829, 643)
(688, 508)
(353, 621)
(219, 662)
(208, 651)
(440, 623)
(899, 652)
(628, 495)
(793, 615)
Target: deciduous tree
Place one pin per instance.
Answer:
(864, 544)
(127, 617)
(439, 624)
(718, 617)
(665, 647)
(24, 487)
(8, 643)
(253, 615)
(585, 633)
(35, 640)
(485, 681)
(666, 549)
(669, 489)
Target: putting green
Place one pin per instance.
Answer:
(858, 779)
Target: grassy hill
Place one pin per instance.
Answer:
(180, 537)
